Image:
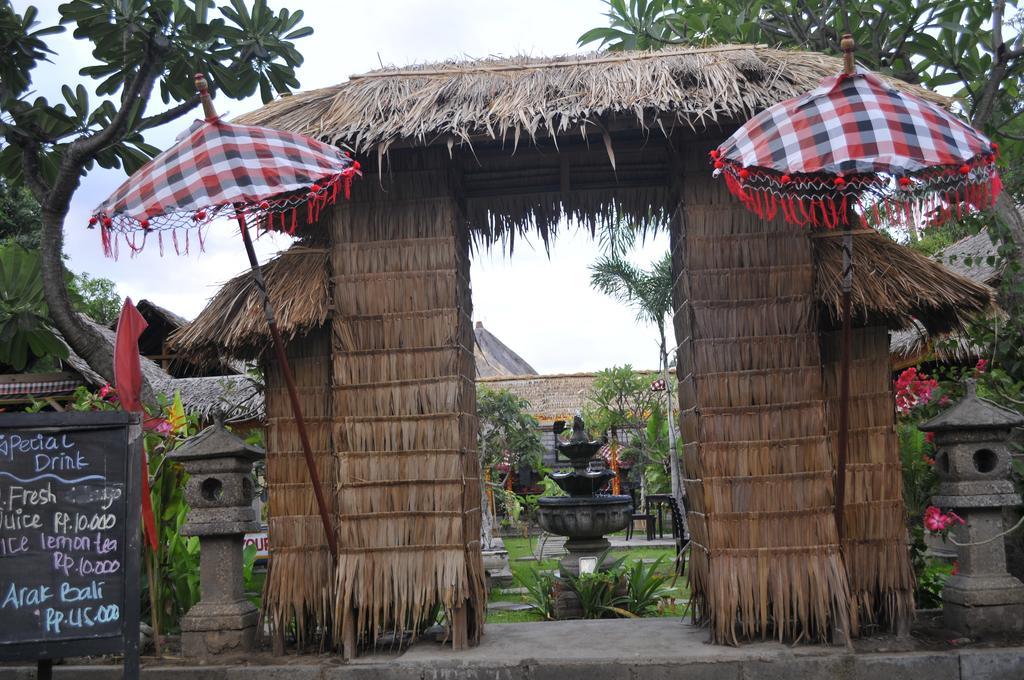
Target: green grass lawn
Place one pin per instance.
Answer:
(523, 570)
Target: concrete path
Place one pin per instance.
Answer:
(648, 649)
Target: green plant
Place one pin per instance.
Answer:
(931, 582)
(25, 332)
(645, 588)
(598, 593)
(539, 592)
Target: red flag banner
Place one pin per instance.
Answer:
(128, 381)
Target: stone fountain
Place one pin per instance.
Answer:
(583, 517)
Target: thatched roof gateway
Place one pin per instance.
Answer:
(533, 141)
(894, 286)
(510, 100)
(481, 151)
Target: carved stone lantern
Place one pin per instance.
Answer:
(220, 495)
(972, 461)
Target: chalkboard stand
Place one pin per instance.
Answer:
(126, 641)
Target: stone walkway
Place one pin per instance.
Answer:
(648, 649)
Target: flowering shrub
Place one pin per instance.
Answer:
(913, 389)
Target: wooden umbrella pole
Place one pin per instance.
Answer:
(293, 394)
(842, 445)
(844, 387)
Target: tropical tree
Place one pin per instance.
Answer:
(141, 49)
(621, 400)
(507, 437)
(649, 293)
(961, 46)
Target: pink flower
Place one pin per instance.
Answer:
(929, 437)
(936, 521)
(105, 391)
(913, 389)
(160, 426)
(981, 366)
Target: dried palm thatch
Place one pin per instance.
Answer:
(233, 323)
(523, 97)
(875, 534)
(757, 458)
(407, 483)
(895, 286)
(299, 588)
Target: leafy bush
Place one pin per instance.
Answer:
(540, 592)
(645, 589)
(598, 593)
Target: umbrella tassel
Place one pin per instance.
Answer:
(105, 239)
(202, 242)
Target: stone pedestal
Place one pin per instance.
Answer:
(972, 461)
(496, 564)
(220, 493)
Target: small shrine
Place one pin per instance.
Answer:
(972, 462)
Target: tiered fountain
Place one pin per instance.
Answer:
(583, 517)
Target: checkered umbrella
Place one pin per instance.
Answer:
(219, 169)
(254, 175)
(856, 142)
(857, 151)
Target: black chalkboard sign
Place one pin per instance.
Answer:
(69, 535)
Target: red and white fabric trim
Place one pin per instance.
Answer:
(217, 170)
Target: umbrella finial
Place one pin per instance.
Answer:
(847, 45)
(204, 96)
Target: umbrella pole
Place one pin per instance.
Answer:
(293, 394)
(844, 387)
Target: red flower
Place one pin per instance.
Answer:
(936, 521)
(105, 391)
(981, 366)
(913, 389)
(929, 437)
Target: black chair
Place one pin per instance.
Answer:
(679, 534)
(648, 520)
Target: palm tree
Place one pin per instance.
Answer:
(649, 292)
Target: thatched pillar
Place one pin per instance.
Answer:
(407, 478)
(875, 541)
(757, 456)
(300, 583)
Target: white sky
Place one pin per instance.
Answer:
(530, 303)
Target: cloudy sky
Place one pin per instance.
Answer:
(513, 296)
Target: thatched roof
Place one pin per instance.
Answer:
(897, 287)
(237, 396)
(233, 324)
(495, 358)
(968, 257)
(894, 286)
(557, 396)
(514, 99)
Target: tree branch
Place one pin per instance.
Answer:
(170, 114)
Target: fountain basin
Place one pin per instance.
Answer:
(584, 517)
(582, 483)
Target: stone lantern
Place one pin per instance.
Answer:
(972, 461)
(220, 495)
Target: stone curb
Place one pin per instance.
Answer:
(980, 664)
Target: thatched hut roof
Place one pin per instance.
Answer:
(894, 286)
(519, 98)
(975, 258)
(495, 358)
(897, 287)
(233, 325)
